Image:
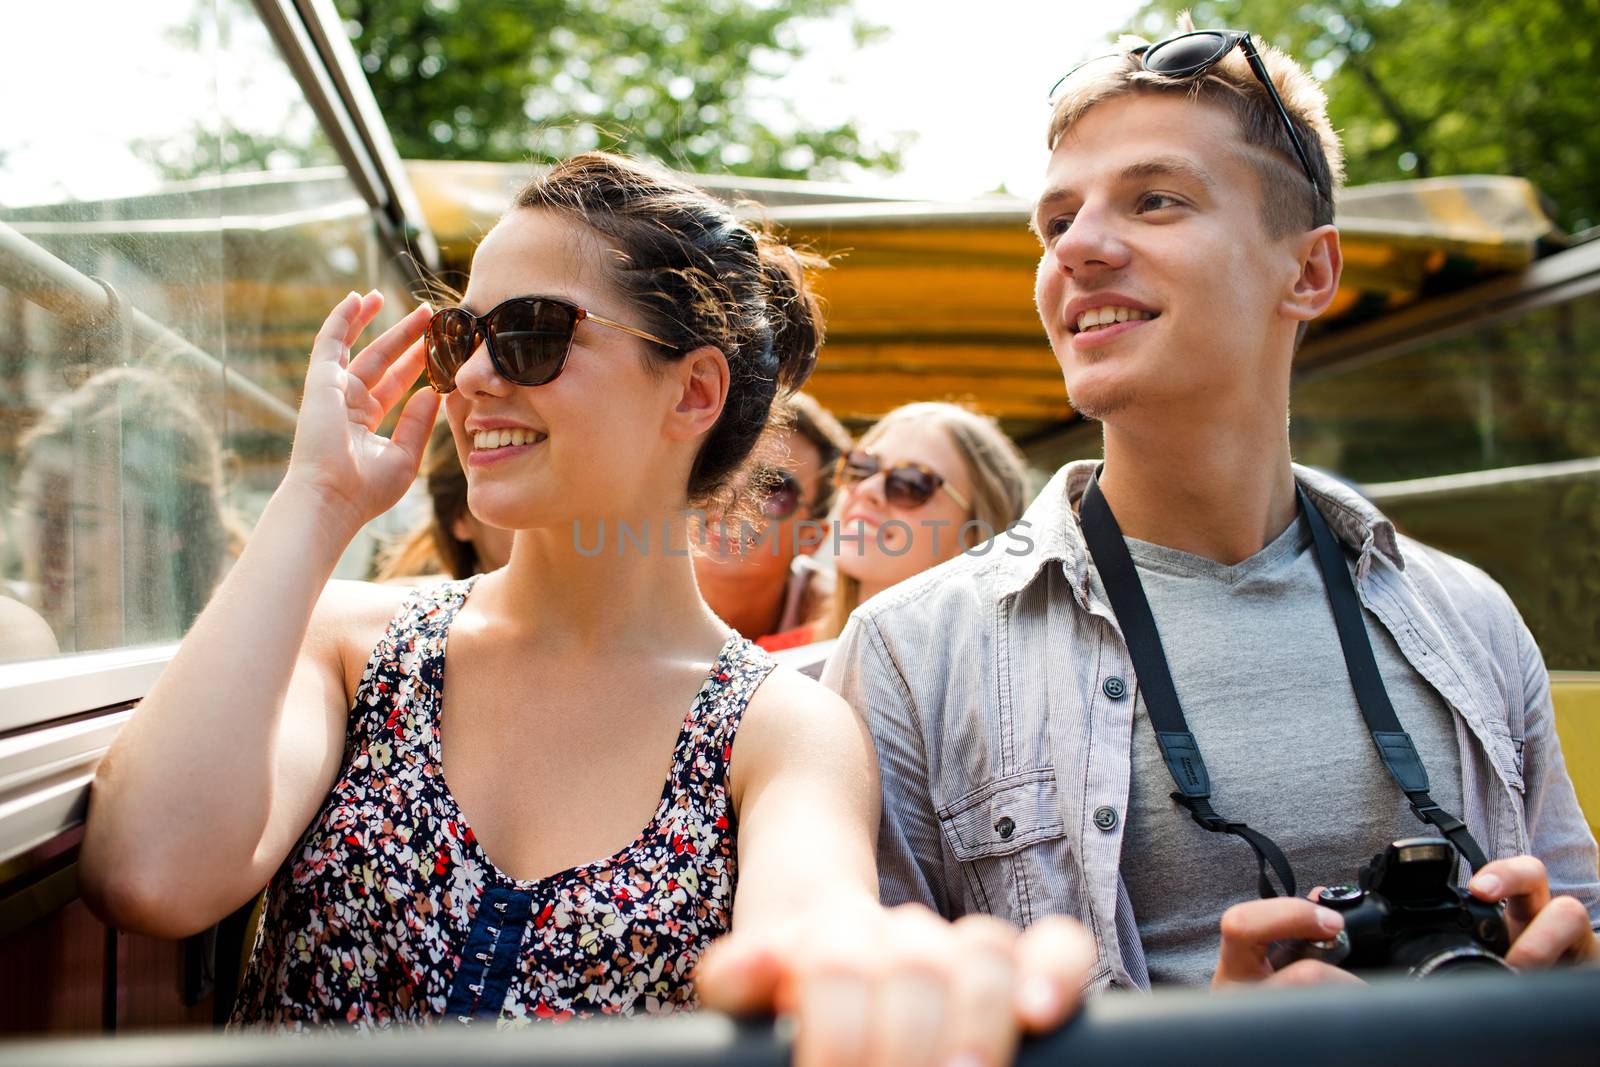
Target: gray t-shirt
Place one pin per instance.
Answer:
(1262, 680)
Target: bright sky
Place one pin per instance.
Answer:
(970, 79)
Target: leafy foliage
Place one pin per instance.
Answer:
(540, 79)
(1432, 87)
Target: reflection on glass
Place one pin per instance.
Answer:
(1519, 392)
(199, 227)
(121, 495)
(1516, 392)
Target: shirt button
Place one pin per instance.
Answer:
(1005, 827)
(1105, 817)
(1115, 688)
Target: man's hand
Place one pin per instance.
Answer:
(1249, 929)
(902, 987)
(1544, 930)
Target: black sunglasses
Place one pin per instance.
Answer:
(1190, 54)
(906, 485)
(781, 494)
(528, 338)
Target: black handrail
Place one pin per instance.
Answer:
(1551, 1019)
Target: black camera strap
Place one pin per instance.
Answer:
(1179, 749)
(1394, 744)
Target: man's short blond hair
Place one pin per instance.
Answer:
(1288, 199)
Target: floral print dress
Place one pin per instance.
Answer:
(389, 911)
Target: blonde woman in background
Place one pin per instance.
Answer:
(927, 482)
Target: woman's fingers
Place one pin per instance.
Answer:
(391, 345)
(741, 974)
(833, 972)
(416, 423)
(1055, 957)
(331, 345)
(398, 376)
(834, 1012)
(983, 994)
(913, 1001)
(366, 310)
(901, 987)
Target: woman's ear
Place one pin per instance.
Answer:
(1318, 280)
(700, 380)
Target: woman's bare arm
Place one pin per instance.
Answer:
(208, 786)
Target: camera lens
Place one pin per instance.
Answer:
(1445, 955)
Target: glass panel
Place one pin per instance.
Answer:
(1514, 393)
(171, 235)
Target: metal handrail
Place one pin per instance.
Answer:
(1549, 1018)
(57, 286)
(311, 39)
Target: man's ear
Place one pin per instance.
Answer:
(1314, 287)
(700, 380)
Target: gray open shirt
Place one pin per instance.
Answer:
(984, 683)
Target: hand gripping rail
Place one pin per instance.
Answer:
(1551, 1019)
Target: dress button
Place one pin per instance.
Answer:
(1115, 688)
(1105, 817)
(1005, 827)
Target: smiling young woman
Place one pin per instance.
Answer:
(927, 482)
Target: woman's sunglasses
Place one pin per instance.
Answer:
(780, 492)
(905, 485)
(528, 338)
(1190, 54)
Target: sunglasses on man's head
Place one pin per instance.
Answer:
(1189, 55)
(905, 485)
(528, 338)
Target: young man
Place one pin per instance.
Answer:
(772, 590)
(1187, 238)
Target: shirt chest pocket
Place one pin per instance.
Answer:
(1008, 840)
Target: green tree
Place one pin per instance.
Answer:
(1421, 88)
(677, 80)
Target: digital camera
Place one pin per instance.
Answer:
(1407, 915)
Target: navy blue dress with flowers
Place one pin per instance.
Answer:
(389, 911)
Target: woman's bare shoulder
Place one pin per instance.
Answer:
(788, 697)
(349, 620)
(347, 604)
(791, 716)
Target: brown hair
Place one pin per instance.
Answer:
(1288, 201)
(996, 466)
(698, 276)
(816, 424)
(433, 546)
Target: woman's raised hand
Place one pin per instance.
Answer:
(350, 470)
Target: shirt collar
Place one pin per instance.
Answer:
(1051, 521)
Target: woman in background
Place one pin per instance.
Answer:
(927, 482)
(760, 576)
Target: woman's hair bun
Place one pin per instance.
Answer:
(792, 308)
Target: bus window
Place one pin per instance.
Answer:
(171, 235)
(1485, 444)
